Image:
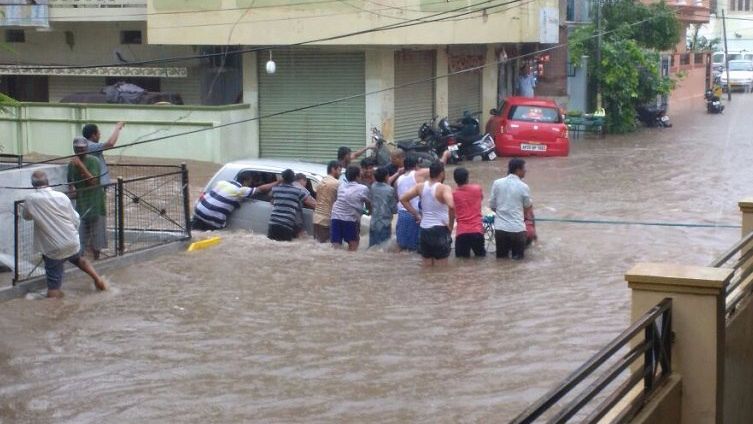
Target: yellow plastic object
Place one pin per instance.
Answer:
(203, 244)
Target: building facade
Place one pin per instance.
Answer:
(75, 33)
(343, 68)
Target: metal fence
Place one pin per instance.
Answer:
(148, 208)
(740, 258)
(656, 349)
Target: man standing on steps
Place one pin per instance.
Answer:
(56, 233)
(436, 218)
(510, 201)
(84, 176)
(95, 148)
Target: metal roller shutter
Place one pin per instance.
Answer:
(303, 79)
(414, 104)
(464, 91)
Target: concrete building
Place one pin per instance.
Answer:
(406, 55)
(85, 32)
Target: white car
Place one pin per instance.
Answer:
(253, 215)
(740, 75)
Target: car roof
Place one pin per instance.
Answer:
(531, 101)
(277, 166)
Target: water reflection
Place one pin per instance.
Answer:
(260, 331)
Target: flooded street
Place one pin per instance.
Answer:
(260, 331)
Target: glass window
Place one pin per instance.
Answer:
(741, 66)
(534, 114)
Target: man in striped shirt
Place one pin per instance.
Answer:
(213, 208)
(288, 201)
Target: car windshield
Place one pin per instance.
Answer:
(735, 56)
(718, 58)
(534, 114)
(741, 66)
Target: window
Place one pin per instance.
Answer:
(534, 114)
(15, 36)
(130, 37)
(740, 5)
(741, 66)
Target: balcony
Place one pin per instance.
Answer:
(692, 11)
(97, 10)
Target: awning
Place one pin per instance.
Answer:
(116, 71)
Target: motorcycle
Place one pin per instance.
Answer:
(713, 102)
(422, 149)
(465, 141)
(654, 116)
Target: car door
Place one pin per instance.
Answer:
(253, 215)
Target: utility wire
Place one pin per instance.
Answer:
(313, 16)
(417, 21)
(346, 98)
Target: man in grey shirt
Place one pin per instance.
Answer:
(95, 148)
(383, 207)
(526, 83)
(509, 201)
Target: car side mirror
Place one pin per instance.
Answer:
(494, 112)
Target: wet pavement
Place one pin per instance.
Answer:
(259, 331)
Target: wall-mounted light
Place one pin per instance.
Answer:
(271, 66)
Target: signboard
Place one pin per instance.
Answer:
(24, 13)
(549, 25)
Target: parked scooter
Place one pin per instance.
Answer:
(713, 97)
(465, 141)
(421, 149)
(653, 116)
(713, 102)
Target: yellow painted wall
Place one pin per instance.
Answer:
(271, 22)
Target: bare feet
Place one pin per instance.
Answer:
(100, 284)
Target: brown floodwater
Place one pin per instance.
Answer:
(254, 330)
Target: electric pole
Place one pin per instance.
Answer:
(726, 57)
(598, 54)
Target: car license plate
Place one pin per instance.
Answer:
(492, 155)
(453, 147)
(533, 147)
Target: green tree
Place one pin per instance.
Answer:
(629, 74)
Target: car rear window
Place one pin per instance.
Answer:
(534, 114)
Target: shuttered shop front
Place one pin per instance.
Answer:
(464, 91)
(303, 79)
(414, 104)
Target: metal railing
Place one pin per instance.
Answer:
(656, 350)
(97, 3)
(141, 212)
(741, 253)
(11, 161)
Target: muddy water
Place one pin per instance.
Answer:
(266, 332)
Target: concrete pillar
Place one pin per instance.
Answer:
(251, 97)
(441, 85)
(380, 107)
(698, 324)
(746, 208)
(489, 77)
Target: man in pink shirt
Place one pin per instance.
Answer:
(470, 229)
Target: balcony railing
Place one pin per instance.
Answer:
(97, 3)
(97, 10)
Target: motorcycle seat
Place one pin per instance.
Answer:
(413, 145)
(468, 139)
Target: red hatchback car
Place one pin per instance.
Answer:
(528, 126)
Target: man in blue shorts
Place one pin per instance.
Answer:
(347, 210)
(56, 233)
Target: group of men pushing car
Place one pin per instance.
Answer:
(427, 209)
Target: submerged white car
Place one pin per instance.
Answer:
(253, 215)
(740, 75)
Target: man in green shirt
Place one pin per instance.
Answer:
(84, 172)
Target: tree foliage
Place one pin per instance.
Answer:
(629, 73)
